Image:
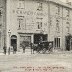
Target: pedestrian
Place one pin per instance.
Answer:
(50, 47)
(14, 49)
(31, 44)
(4, 50)
(23, 45)
(23, 49)
(9, 51)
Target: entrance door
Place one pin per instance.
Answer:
(14, 41)
(68, 40)
(57, 42)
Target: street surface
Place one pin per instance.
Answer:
(27, 62)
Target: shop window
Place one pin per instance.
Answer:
(26, 40)
(57, 42)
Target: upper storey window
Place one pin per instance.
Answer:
(68, 12)
(21, 4)
(58, 9)
(40, 6)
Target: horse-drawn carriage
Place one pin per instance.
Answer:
(43, 47)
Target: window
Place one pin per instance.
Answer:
(39, 6)
(21, 22)
(25, 39)
(57, 42)
(21, 4)
(57, 26)
(68, 29)
(58, 10)
(0, 13)
(68, 12)
(39, 25)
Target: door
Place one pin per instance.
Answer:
(14, 41)
(67, 40)
(57, 42)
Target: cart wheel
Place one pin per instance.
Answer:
(44, 51)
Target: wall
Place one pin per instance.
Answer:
(2, 23)
(27, 13)
(60, 16)
(55, 18)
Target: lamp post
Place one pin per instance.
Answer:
(9, 42)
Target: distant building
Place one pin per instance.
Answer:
(31, 20)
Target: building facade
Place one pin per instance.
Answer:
(2, 24)
(31, 20)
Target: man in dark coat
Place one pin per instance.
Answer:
(23, 45)
(4, 49)
(14, 49)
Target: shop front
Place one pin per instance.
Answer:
(39, 37)
(25, 40)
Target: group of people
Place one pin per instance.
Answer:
(9, 49)
(23, 45)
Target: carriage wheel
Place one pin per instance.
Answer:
(44, 51)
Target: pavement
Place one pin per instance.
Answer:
(28, 52)
(57, 61)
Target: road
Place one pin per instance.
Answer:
(54, 62)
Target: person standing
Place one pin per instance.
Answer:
(50, 47)
(14, 49)
(31, 44)
(23, 45)
(9, 51)
(4, 50)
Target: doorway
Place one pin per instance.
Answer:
(57, 42)
(14, 41)
(68, 42)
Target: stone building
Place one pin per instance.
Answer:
(2, 24)
(30, 20)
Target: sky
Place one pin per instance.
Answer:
(65, 0)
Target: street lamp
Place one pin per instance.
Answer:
(9, 41)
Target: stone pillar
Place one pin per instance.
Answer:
(32, 38)
(7, 22)
(18, 42)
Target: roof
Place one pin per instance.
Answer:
(60, 3)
